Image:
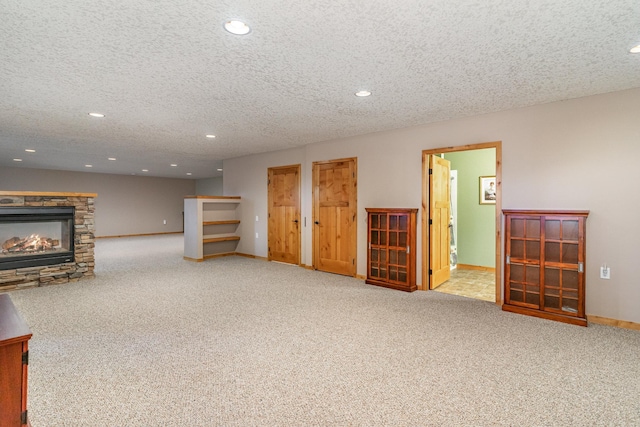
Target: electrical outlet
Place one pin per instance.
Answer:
(164, 221)
(605, 272)
(256, 235)
(256, 218)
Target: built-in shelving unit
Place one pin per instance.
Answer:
(210, 226)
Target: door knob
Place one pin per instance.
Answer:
(316, 222)
(295, 220)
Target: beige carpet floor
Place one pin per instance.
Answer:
(157, 341)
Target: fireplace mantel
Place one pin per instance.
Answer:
(48, 194)
(84, 228)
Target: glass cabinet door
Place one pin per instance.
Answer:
(398, 229)
(562, 265)
(378, 242)
(524, 261)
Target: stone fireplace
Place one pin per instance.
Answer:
(45, 238)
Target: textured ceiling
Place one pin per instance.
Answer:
(165, 72)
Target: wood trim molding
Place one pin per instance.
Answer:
(46, 194)
(345, 159)
(475, 267)
(546, 212)
(210, 256)
(117, 236)
(224, 255)
(424, 279)
(213, 197)
(613, 322)
(250, 256)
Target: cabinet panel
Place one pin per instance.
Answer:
(391, 243)
(544, 265)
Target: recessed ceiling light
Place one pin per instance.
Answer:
(88, 166)
(173, 165)
(210, 136)
(219, 170)
(111, 158)
(237, 27)
(188, 173)
(17, 160)
(145, 170)
(30, 150)
(96, 114)
(363, 93)
(635, 49)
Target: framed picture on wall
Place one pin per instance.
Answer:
(487, 190)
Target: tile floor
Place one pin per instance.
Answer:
(471, 283)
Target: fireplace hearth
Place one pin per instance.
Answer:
(35, 236)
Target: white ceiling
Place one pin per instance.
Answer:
(165, 72)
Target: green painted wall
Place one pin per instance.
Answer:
(476, 222)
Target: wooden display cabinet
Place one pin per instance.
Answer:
(545, 264)
(391, 255)
(14, 358)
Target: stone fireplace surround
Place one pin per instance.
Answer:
(84, 240)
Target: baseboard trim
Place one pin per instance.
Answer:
(310, 267)
(138, 235)
(211, 256)
(250, 256)
(614, 322)
(475, 267)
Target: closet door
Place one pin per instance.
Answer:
(334, 216)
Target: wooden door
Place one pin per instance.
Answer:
(334, 216)
(439, 217)
(284, 214)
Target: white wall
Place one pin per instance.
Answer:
(125, 204)
(576, 154)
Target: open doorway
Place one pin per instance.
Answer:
(468, 240)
